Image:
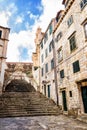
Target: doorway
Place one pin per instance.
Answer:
(45, 90)
(84, 97)
(64, 100)
(49, 91)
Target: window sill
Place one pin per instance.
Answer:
(74, 50)
(60, 60)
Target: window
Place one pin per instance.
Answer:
(83, 3)
(46, 53)
(52, 64)
(76, 66)
(70, 21)
(0, 33)
(60, 55)
(85, 29)
(45, 38)
(42, 58)
(50, 29)
(70, 93)
(50, 46)
(46, 67)
(72, 42)
(42, 71)
(62, 74)
(58, 36)
(41, 45)
(67, 3)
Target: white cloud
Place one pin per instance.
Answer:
(32, 16)
(19, 19)
(50, 10)
(4, 19)
(26, 38)
(23, 38)
(6, 13)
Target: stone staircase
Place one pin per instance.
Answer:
(15, 104)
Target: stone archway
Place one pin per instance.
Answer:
(19, 85)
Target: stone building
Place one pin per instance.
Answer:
(4, 35)
(48, 78)
(63, 58)
(70, 39)
(36, 59)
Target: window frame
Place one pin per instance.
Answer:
(60, 54)
(42, 71)
(46, 67)
(42, 58)
(83, 3)
(46, 53)
(50, 29)
(73, 45)
(70, 21)
(76, 66)
(58, 37)
(0, 34)
(62, 74)
(42, 45)
(52, 63)
(85, 29)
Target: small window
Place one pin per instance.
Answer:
(50, 47)
(46, 67)
(72, 42)
(42, 58)
(67, 3)
(62, 74)
(58, 36)
(76, 66)
(41, 45)
(46, 53)
(70, 93)
(52, 64)
(50, 29)
(0, 33)
(83, 3)
(60, 55)
(42, 71)
(70, 21)
(45, 38)
(85, 29)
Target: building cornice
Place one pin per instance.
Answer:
(5, 28)
(64, 14)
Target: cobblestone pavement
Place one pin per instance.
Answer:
(60, 122)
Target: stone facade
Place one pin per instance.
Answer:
(4, 35)
(47, 81)
(36, 59)
(66, 82)
(71, 57)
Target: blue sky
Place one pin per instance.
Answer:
(23, 17)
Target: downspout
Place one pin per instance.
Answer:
(55, 69)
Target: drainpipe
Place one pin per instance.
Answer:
(55, 69)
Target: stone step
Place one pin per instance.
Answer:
(4, 115)
(26, 104)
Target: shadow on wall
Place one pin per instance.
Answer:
(19, 86)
